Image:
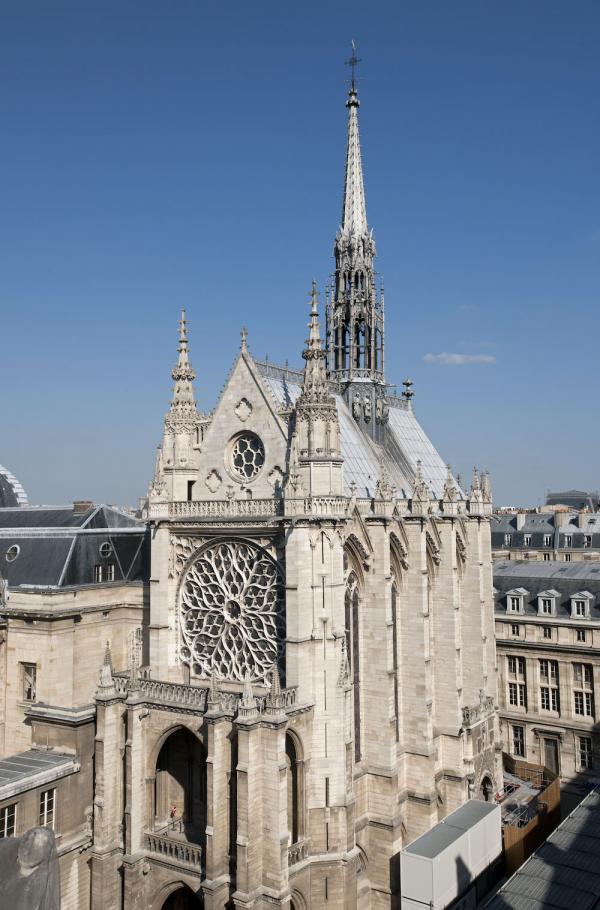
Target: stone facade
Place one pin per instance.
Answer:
(321, 679)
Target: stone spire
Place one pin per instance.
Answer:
(355, 342)
(315, 376)
(183, 414)
(106, 686)
(354, 209)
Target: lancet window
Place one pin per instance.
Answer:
(352, 604)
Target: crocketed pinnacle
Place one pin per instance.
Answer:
(183, 404)
(315, 376)
(354, 211)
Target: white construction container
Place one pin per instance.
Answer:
(441, 865)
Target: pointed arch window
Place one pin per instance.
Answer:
(295, 788)
(352, 605)
(395, 659)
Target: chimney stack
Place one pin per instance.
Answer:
(81, 506)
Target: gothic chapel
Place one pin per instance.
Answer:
(319, 684)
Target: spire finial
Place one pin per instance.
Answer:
(182, 328)
(244, 337)
(353, 63)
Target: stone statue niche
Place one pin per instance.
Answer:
(29, 875)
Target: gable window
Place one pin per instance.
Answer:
(47, 806)
(580, 605)
(28, 682)
(546, 605)
(8, 815)
(515, 604)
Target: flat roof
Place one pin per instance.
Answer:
(33, 768)
(450, 828)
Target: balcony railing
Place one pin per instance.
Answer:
(176, 851)
(297, 852)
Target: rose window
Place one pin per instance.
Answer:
(247, 456)
(231, 612)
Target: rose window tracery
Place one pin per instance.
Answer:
(247, 456)
(232, 612)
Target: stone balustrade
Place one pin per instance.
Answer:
(217, 508)
(474, 714)
(297, 852)
(173, 850)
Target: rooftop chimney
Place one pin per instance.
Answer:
(561, 518)
(81, 506)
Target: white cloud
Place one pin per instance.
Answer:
(448, 359)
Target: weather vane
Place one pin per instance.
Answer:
(352, 63)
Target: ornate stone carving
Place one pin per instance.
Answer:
(367, 407)
(243, 409)
(275, 478)
(181, 550)
(231, 612)
(213, 481)
(247, 456)
(357, 407)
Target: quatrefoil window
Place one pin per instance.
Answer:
(232, 612)
(247, 456)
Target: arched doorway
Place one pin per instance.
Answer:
(486, 789)
(183, 899)
(180, 788)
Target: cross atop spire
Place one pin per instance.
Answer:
(353, 62)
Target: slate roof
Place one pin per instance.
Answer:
(564, 872)
(11, 491)
(539, 524)
(407, 443)
(538, 577)
(56, 547)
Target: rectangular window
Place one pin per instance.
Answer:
(568, 540)
(547, 540)
(515, 604)
(546, 557)
(585, 752)
(507, 540)
(547, 630)
(515, 629)
(8, 815)
(587, 540)
(581, 635)
(512, 665)
(549, 698)
(28, 682)
(567, 557)
(579, 607)
(547, 605)
(513, 696)
(97, 574)
(47, 803)
(109, 572)
(527, 540)
(518, 741)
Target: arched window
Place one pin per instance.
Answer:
(395, 660)
(294, 789)
(352, 605)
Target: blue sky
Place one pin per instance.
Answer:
(157, 154)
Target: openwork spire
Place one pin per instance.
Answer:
(183, 415)
(355, 344)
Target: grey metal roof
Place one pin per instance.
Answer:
(536, 525)
(536, 577)
(565, 871)
(62, 548)
(11, 490)
(33, 768)
(434, 841)
(407, 442)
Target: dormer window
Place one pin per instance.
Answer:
(587, 541)
(547, 601)
(507, 540)
(547, 540)
(568, 540)
(515, 600)
(527, 540)
(580, 605)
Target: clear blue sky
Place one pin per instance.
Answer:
(155, 155)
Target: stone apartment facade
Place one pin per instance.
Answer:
(316, 681)
(554, 534)
(548, 644)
